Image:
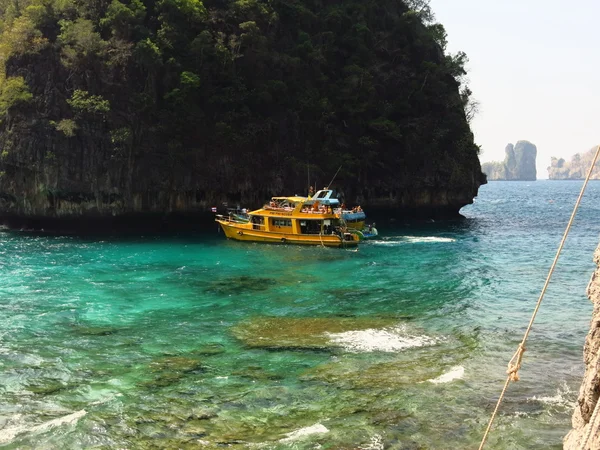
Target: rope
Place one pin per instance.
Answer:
(592, 425)
(515, 363)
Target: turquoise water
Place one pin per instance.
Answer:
(195, 341)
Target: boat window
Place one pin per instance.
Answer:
(257, 222)
(282, 222)
(310, 226)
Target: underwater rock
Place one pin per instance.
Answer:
(170, 370)
(237, 285)
(162, 380)
(194, 428)
(383, 375)
(210, 349)
(410, 367)
(94, 330)
(46, 387)
(305, 333)
(257, 373)
(175, 364)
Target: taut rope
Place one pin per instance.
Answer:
(515, 363)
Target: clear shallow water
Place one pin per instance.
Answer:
(181, 341)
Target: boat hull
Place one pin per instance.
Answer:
(245, 232)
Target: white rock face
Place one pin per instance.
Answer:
(589, 392)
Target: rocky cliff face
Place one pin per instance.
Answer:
(576, 169)
(518, 164)
(144, 107)
(589, 394)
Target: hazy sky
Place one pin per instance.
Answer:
(534, 67)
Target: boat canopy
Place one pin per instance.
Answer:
(324, 197)
(294, 199)
(347, 215)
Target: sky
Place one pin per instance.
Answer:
(534, 68)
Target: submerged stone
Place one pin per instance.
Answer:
(210, 349)
(175, 364)
(94, 331)
(257, 373)
(194, 428)
(163, 380)
(305, 333)
(170, 370)
(238, 285)
(412, 369)
(46, 387)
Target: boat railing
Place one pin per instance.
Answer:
(230, 219)
(278, 208)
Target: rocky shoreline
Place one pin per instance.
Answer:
(181, 211)
(589, 393)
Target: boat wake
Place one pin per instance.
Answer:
(402, 240)
(386, 340)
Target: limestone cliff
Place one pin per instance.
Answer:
(118, 108)
(576, 169)
(518, 164)
(589, 392)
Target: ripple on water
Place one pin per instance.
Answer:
(163, 341)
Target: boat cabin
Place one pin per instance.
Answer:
(300, 220)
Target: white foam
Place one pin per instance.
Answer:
(401, 240)
(8, 434)
(372, 340)
(560, 399)
(417, 239)
(303, 432)
(375, 444)
(455, 373)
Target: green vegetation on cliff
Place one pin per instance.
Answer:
(161, 105)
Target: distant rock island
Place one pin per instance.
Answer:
(518, 164)
(576, 169)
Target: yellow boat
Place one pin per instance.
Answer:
(293, 220)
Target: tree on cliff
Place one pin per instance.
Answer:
(133, 99)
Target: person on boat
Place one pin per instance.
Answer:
(311, 192)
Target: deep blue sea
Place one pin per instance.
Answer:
(193, 341)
